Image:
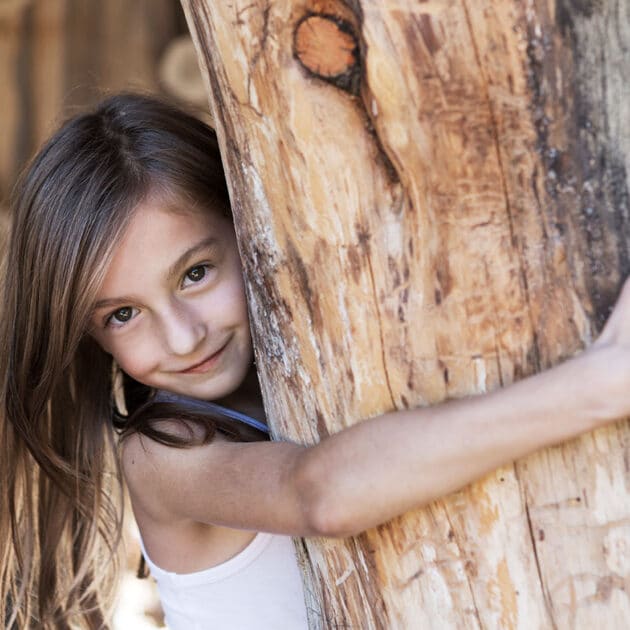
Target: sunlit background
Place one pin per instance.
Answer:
(57, 57)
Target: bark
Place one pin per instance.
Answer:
(432, 201)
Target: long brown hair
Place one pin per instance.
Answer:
(60, 506)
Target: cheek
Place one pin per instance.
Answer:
(236, 295)
(238, 303)
(137, 357)
(225, 306)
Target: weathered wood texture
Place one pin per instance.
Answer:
(57, 56)
(434, 212)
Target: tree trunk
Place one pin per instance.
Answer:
(432, 201)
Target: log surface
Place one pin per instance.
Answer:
(436, 211)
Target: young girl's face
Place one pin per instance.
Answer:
(172, 310)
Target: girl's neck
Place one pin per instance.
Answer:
(247, 398)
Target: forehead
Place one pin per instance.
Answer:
(158, 233)
(169, 221)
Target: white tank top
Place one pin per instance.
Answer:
(259, 589)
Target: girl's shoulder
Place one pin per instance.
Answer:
(176, 541)
(156, 473)
(256, 486)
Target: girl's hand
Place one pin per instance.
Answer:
(617, 328)
(609, 361)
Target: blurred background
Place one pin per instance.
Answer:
(58, 57)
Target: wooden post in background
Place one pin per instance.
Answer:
(432, 201)
(59, 56)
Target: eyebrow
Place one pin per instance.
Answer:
(173, 270)
(205, 244)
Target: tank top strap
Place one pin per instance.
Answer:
(204, 406)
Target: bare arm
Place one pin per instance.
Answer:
(385, 466)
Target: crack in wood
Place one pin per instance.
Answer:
(532, 537)
(313, 606)
(364, 241)
(504, 187)
(453, 539)
(261, 47)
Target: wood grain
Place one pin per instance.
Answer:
(453, 221)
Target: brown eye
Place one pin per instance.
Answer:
(195, 274)
(122, 315)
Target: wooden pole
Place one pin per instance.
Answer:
(432, 201)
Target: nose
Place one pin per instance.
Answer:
(183, 330)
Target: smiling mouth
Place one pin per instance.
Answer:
(207, 364)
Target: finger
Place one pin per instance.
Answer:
(618, 323)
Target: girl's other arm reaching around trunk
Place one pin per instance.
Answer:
(384, 466)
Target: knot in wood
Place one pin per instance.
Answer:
(327, 46)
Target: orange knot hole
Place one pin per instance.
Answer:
(326, 45)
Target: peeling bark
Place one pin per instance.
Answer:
(451, 219)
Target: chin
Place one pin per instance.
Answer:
(212, 390)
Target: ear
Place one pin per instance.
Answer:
(118, 391)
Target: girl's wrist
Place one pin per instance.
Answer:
(558, 404)
(600, 385)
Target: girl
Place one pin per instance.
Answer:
(123, 261)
